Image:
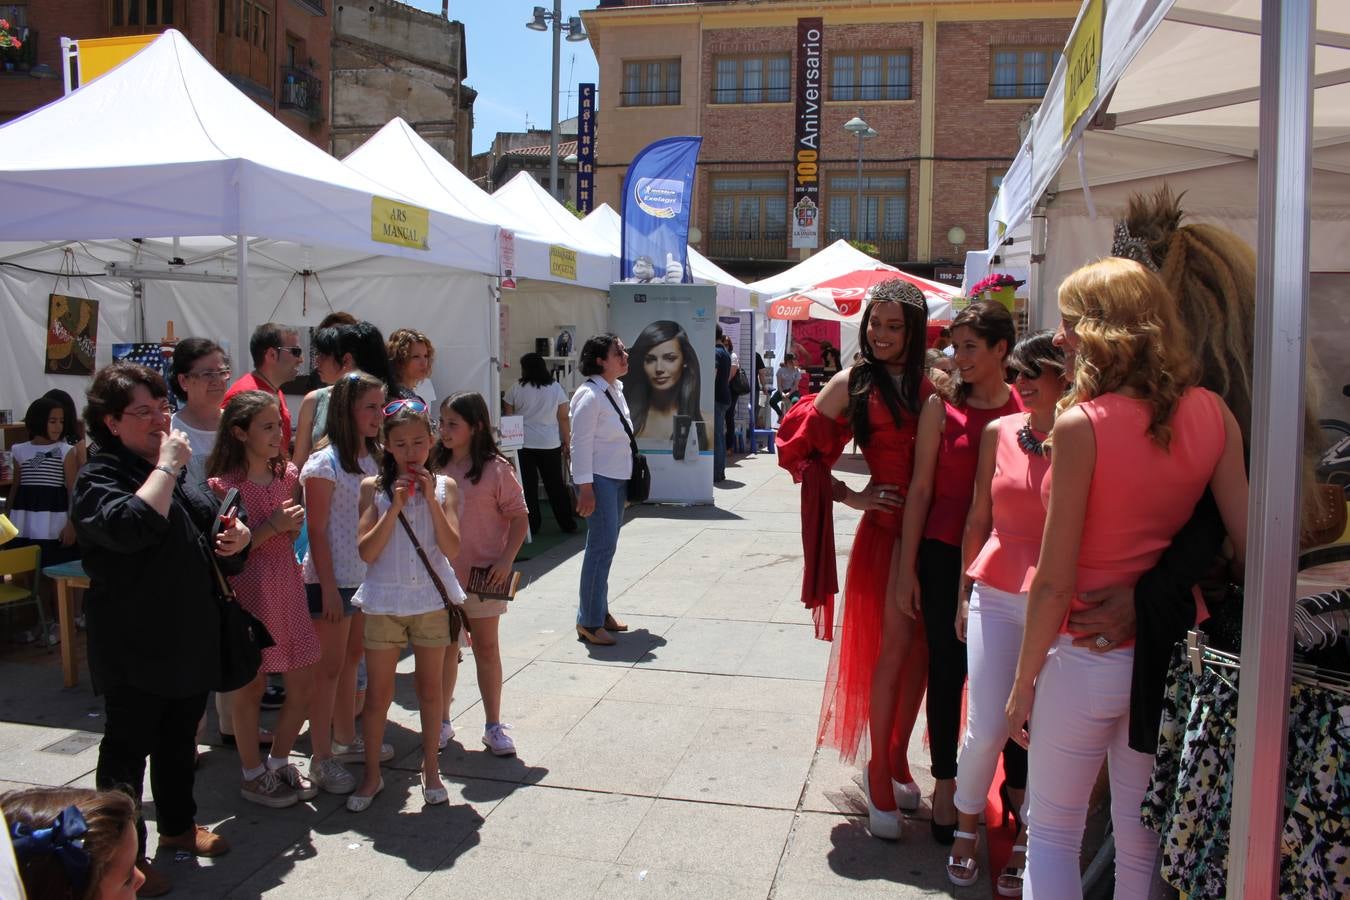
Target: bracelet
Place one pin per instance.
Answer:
(167, 470)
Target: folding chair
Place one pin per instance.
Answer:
(22, 561)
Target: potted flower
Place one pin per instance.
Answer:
(1001, 287)
(9, 44)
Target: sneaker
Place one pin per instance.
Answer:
(274, 697)
(268, 789)
(356, 751)
(498, 741)
(304, 788)
(198, 840)
(332, 776)
(447, 735)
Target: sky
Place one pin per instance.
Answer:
(510, 66)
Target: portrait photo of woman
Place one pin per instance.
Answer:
(663, 388)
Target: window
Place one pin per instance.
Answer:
(884, 218)
(749, 217)
(752, 79)
(1021, 73)
(142, 15)
(880, 75)
(993, 181)
(244, 39)
(654, 82)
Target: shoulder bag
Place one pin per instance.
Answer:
(739, 384)
(242, 637)
(640, 482)
(456, 614)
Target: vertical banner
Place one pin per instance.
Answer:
(657, 194)
(806, 140)
(586, 148)
(669, 330)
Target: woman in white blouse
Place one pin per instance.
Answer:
(602, 462)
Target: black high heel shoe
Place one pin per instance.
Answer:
(1009, 811)
(943, 834)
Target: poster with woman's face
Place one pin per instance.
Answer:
(669, 330)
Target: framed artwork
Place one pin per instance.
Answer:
(72, 335)
(565, 344)
(153, 356)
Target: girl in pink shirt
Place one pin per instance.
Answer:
(493, 522)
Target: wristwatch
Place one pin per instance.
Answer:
(168, 470)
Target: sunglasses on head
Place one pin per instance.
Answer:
(394, 406)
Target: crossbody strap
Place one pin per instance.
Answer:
(632, 442)
(450, 607)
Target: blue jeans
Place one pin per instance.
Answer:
(720, 441)
(602, 537)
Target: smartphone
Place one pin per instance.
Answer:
(680, 437)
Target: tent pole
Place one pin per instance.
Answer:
(495, 352)
(1284, 164)
(241, 276)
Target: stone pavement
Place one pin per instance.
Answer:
(680, 763)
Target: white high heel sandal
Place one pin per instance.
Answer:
(907, 795)
(881, 823)
(969, 865)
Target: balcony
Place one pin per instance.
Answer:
(302, 92)
(771, 245)
(890, 249)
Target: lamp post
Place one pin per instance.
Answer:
(857, 126)
(575, 32)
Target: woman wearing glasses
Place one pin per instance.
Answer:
(198, 378)
(154, 626)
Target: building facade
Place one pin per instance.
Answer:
(391, 59)
(513, 152)
(275, 51)
(771, 85)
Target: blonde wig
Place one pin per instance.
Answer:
(1129, 336)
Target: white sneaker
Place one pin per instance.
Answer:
(498, 741)
(447, 735)
(356, 751)
(332, 776)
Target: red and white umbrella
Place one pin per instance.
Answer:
(842, 298)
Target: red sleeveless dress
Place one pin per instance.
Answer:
(890, 460)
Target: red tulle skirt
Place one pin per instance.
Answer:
(845, 709)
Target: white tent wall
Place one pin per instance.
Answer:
(23, 321)
(537, 308)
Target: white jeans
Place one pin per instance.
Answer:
(1080, 715)
(993, 639)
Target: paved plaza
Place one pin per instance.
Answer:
(680, 763)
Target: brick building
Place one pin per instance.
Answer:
(275, 51)
(944, 84)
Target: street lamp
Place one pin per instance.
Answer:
(575, 32)
(857, 126)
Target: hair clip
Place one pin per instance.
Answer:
(1127, 246)
(64, 839)
(354, 375)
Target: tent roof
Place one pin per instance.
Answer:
(839, 258)
(1203, 57)
(164, 145)
(606, 225)
(597, 263)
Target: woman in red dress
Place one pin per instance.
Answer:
(877, 670)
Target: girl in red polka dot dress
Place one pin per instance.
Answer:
(248, 456)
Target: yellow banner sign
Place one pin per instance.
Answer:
(399, 224)
(1082, 65)
(562, 262)
(95, 56)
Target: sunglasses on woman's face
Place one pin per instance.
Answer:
(394, 406)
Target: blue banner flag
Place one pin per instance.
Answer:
(657, 194)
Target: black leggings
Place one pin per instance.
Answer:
(939, 582)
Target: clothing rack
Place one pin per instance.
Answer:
(1201, 655)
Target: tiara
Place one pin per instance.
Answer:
(1127, 246)
(897, 290)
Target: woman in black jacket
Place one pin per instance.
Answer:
(153, 620)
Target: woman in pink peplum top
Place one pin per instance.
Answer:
(1135, 446)
(998, 555)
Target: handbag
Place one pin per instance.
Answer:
(242, 637)
(640, 482)
(739, 384)
(456, 614)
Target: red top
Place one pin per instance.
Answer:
(890, 452)
(251, 382)
(1141, 494)
(958, 456)
(1007, 561)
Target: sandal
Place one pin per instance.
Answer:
(967, 871)
(1010, 879)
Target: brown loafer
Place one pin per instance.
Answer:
(197, 840)
(597, 636)
(156, 883)
(613, 624)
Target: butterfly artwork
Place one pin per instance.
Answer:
(72, 335)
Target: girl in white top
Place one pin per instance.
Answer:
(409, 531)
(548, 430)
(333, 571)
(199, 377)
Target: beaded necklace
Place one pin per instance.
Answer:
(1026, 439)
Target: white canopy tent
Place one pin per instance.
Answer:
(1245, 105)
(162, 160)
(542, 300)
